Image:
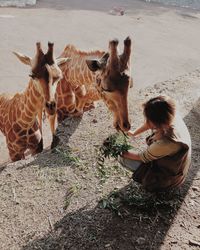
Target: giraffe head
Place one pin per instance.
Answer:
(45, 73)
(113, 79)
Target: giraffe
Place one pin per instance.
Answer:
(19, 114)
(95, 75)
(76, 89)
(112, 81)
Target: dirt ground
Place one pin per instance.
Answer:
(59, 200)
(62, 199)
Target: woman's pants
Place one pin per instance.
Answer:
(129, 164)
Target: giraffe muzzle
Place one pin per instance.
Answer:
(51, 108)
(125, 126)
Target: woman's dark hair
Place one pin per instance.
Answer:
(159, 110)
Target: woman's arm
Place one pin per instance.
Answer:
(139, 130)
(131, 155)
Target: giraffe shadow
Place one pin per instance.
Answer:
(67, 128)
(133, 219)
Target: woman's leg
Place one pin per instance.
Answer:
(129, 164)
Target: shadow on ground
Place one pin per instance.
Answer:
(133, 220)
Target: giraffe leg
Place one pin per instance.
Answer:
(16, 155)
(87, 100)
(88, 106)
(66, 104)
(80, 93)
(40, 119)
(55, 138)
(66, 100)
(60, 115)
(37, 149)
(17, 148)
(35, 141)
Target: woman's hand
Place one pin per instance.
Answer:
(130, 133)
(139, 130)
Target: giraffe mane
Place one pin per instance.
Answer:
(71, 50)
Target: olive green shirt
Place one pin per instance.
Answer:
(159, 149)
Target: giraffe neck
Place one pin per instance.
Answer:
(77, 72)
(29, 105)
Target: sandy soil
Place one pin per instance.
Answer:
(53, 201)
(61, 208)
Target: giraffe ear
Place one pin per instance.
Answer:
(103, 60)
(62, 60)
(96, 64)
(24, 59)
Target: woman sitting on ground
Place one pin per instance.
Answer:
(165, 162)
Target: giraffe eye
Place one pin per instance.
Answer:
(106, 90)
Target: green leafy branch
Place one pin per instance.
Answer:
(113, 146)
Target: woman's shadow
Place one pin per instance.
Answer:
(133, 220)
